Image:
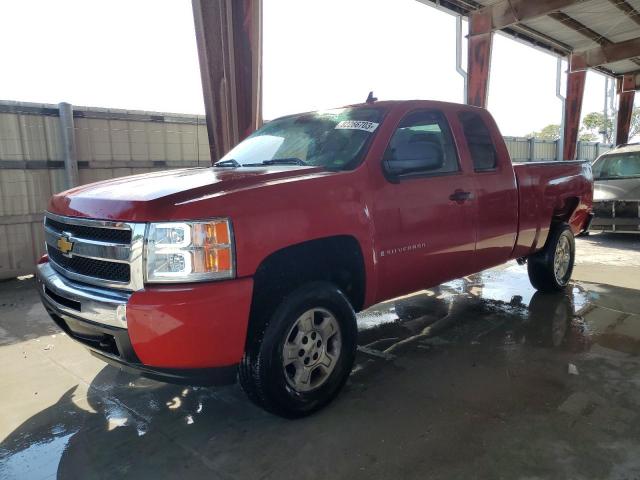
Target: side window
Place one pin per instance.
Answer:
(421, 145)
(481, 147)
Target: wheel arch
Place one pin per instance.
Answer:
(565, 208)
(337, 259)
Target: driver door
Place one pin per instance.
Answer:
(425, 223)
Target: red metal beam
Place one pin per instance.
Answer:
(573, 109)
(614, 52)
(478, 66)
(630, 82)
(626, 93)
(479, 60)
(509, 12)
(482, 23)
(229, 39)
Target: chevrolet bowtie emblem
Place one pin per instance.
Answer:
(64, 245)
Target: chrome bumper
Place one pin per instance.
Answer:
(81, 302)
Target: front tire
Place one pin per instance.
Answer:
(300, 360)
(550, 269)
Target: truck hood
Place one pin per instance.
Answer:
(144, 197)
(623, 189)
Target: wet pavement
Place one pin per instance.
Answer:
(479, 378)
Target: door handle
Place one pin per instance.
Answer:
(460, 196)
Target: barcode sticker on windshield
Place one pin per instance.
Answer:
(357, 125)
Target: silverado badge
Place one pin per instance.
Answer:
(65, 245)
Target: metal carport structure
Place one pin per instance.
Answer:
(603, 35)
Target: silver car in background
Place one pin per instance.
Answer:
(616, 196)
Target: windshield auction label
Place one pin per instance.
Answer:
(357, 125)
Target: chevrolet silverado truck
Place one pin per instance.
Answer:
(254, 268)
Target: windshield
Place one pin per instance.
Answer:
(334, 139)
(623, 165)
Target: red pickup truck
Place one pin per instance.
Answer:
(254, 268)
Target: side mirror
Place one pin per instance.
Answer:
(416, 157)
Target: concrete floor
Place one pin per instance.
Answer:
(479, 378)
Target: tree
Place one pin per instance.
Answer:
(634, 129)
(551, 132)
(594, 124)
(587, 136)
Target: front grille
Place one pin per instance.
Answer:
(625, 209)
(603, 209)
(111, 271)
(91, 233)
(96, 252)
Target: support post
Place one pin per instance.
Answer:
(578, 150)
(459, 69)
(479, 59)
(613, 109)
(573, 109)
(532, 149)
(562, 98)
(605, 110)
(68, 139)
(229, 39)
(626, 94)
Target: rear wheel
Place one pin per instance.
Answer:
(300, 360)
(550, 269)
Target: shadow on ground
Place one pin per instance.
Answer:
(619, 241)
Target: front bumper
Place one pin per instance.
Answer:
(193, 334)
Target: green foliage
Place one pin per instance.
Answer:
(550, 132)
(586, 136)
(592, 129)
(635, 123)
(593, 124)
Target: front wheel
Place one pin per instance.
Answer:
(303, 356)
(550, 269)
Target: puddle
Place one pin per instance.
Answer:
(37, 460)
(501, 303)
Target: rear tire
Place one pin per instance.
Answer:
(301, 357)
(550, 269)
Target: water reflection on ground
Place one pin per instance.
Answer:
(133, 427)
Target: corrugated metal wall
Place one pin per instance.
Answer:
(524, 149)
(109, 143)
(112, 143)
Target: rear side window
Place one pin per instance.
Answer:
(481, 147)
(422, 145)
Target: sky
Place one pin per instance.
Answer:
(141, 55)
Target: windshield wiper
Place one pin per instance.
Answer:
(285, 161)
(228, 163)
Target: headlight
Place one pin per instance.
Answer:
(189, 251)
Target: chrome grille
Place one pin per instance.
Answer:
(113, 271)
(91, 233)
(97, 252)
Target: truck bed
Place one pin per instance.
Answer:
(550, 190)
